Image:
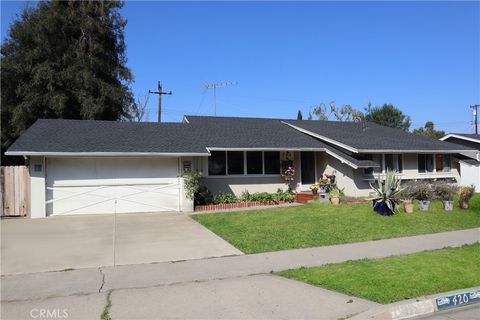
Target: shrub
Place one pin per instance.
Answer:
(444, 191)
(191, 182)
(465, 193)
(203, 196)
(224, 198)
(422, 190)
(336, 192)
(282, 195)
(409, 191)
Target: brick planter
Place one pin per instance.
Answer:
(236, 205)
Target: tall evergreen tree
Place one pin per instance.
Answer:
(299, 115)
(64, 59)
(429, 131)
(390, 116)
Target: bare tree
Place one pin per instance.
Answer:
(138, 111)
(332, 112)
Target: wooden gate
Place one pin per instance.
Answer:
(15, 191)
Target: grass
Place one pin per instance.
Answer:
(317, 224)
(106, 310)
(397, 278)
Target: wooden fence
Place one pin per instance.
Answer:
(15, 191)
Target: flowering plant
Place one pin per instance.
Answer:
(288, 173)
(314, 187)
(324, 180)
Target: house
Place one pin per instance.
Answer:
(470, 165)
(84, 167)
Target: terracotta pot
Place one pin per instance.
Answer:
(464, 204)
(408, 206)
(314, 191)
(335, 201)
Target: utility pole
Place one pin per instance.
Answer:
(214, 86)
(160, 92)
(475, 115)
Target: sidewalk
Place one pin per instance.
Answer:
(95, 280)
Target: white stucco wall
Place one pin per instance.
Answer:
(470, 175)
(37, 188)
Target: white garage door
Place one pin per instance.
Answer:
(109, 185)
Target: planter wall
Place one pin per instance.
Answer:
(237, 205)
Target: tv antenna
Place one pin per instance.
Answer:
(216, 85)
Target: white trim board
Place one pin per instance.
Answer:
(101, 154)
(458, 136)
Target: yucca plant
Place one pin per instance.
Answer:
(388, 194)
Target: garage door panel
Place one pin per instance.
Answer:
(88, 186)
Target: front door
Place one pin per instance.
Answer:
(307, 168)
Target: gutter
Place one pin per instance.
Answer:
(102, 154)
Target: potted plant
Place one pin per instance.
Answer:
(323, 183)
(314, 188)
(388, 194)
(407, 196)
(335, 195)
(446, 192)
(424, 194)
(288, 173)
(464, 196)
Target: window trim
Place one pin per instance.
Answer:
(245, 174)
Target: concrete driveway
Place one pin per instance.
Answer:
(59, 243)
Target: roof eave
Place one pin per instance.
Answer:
(452, 135)
(104, 154)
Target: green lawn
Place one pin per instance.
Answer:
(397, 278)
(318, 224)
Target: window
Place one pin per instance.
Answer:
(367, 171)
(442, 163)
(217, 163)
(425, 163)
(271, 162)
(221, 163)
(394, 162)
(400, 163)
(235, 162)
(378, 159)
(254, 162)
(389, 162)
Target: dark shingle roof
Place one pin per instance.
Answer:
(201, 132)
(374, 137)
(106, 136)
(469, 160)
(231, 132)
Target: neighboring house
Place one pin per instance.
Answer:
(80, 167)
(469, 168)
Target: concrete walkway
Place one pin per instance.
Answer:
(94, 280)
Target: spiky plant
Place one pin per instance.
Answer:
(388, 190)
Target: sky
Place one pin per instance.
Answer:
(423, 57)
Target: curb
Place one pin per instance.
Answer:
(423, 306)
